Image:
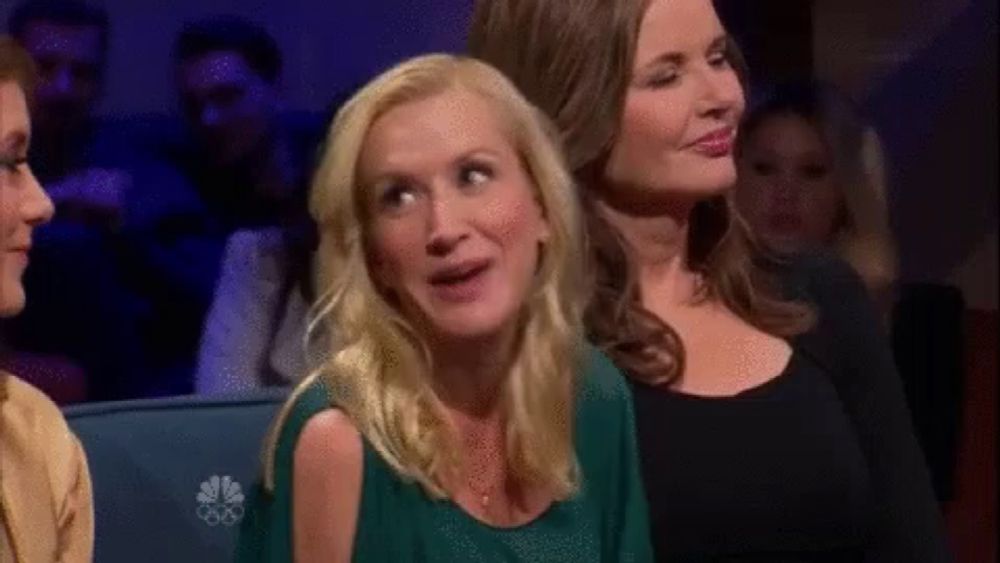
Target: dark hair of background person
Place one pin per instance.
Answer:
(300, 237)
(230, 33)
(299, 233)
(62, 12)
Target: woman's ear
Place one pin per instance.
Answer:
(544, 231)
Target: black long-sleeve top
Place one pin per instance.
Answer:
(817, 464)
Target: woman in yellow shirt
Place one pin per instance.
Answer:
(46, 514)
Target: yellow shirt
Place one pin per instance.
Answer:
(46, 509)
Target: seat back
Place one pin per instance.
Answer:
(169, 474)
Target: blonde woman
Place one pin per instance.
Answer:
(769, 416)
(46, 514)
(460, 416)
(811, 175)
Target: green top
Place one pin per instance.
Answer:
(398, 523)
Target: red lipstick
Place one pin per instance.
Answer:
(716, 144)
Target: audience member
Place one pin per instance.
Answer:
(811, 174)
(460, 413)
(255, 330)
(46, 511)
(249, 160)
(770, 419)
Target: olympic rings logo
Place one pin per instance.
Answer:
(220, 501)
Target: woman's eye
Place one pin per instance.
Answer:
(396, 197)
(12, 164)
(815, 172)
(475, 175)
(663, 80)
(719, 60)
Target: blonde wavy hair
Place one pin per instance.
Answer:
(378, 368)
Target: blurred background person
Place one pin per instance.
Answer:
(811, 175)
(248, 158)
(69, 42)
(255, 330)
(248, 162)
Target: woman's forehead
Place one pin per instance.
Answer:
(14, 122)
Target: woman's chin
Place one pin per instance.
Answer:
(469, 324)
(12, 300)
(787, 245)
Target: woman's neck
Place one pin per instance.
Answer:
(469, 376)
(657, 243)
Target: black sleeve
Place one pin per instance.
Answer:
(908, 526)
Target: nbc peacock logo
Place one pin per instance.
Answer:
(220, 501)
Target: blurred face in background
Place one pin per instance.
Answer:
(230, 107)
(70, 66)
(23, 204)
(681, 107)
(786, 187)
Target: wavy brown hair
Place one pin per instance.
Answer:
(573, 59)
